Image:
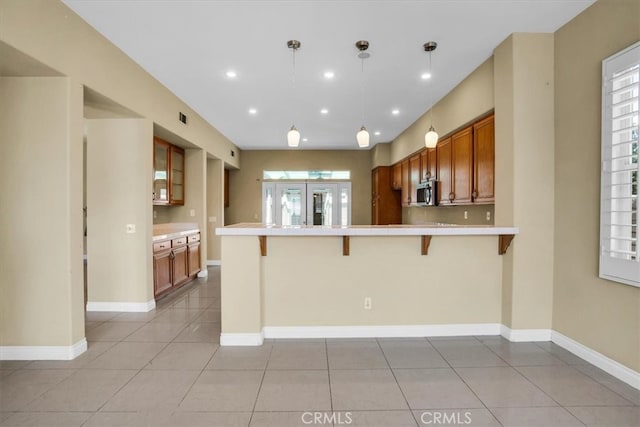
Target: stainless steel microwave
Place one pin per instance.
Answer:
(426, 193)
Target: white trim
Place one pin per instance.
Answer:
(43, 352)
(394, 331)
(608, 365)
(211, 262)
(241, 339)
(521, 335)
(203, 273)
(141, 307)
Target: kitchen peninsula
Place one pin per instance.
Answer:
(360, 281)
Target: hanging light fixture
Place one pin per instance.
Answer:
(362, 136)
(431, 137)
(293, 136)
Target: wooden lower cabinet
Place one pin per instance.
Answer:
(175, 262)
(385, 201)
(162, 271)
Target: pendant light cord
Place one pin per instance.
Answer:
(430, 83)
(362, 88)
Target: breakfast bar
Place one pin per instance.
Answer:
(360, 281)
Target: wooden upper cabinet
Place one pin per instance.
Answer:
(160, 172)
(443, 171)
(176, 178)
(484, 161)
(428, 164)
(424, 165)
(462, 166)
(405, 182)
(168, 173)
(385, 202)
(414, 178)
(396, 180)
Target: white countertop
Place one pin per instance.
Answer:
(173, 230)
(436, 229)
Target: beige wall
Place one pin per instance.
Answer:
(476, 215)
(289, 287)
(381, 155)
(472, 98)
(41, 212)
(53, 34)
(246, 184)
(600, 314)
(119, 266)
(215, 206)
(525, 173)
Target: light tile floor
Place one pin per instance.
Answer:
(165, 368)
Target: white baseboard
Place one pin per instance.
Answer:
(242, 339)
(213, 262)
(203, 273)
(141, 307)
(392, 331)
(608, 365)
(521, 335)
(36, 352)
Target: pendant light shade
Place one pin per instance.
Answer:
(362, 137)
(293, 137)
(431, 138)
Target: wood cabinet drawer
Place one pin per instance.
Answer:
(194, 238)
(181, 241)
(161, 246)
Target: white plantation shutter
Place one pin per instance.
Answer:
(619, 257)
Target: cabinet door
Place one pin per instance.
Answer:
(424, 165)
(484, 161)
(194, 258)
(375, 183)
(180, 265)
(414, 167)
(176, 179)
(161, 271)
(431, 166)
(443, 171)
(160, 172)
(462, 166)
(397, 176)
(406, 181)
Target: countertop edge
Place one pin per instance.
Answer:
(168, 236)
(364, 231)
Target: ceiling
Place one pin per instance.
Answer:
(189, 46)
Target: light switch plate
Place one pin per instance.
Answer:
(192, 212)
(131, 228)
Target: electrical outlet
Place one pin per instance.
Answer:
(466, 215)
(192, 212)
(488, 215)
(212, 219)
(367, 303)
(131, 228)
(155, 214)
(255, 216)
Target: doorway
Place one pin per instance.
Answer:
(303, 203)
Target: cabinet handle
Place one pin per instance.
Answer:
(451, 196)
(172, 255)
(474, 194)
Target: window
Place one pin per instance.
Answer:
(619, 258)
(306, 175)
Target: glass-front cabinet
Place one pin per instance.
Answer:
(168, 173)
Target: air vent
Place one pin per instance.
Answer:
(183, 118)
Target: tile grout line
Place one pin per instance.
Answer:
(397, 383)
(264, 373)
(465, 383)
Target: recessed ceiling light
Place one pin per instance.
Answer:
(253, 111)
(305, 139)
(426, 76)
(329, 75)
(324, 111)
(395, 112)
(377, 133)
(231, 74)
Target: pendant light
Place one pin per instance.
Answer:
(431, 137)
(293, 136)
(362, 136)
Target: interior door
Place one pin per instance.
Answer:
(322, 204)
(290, 204)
